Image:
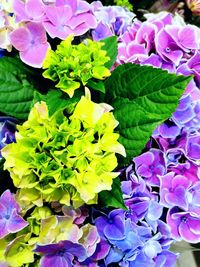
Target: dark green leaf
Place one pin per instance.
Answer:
(112, 198)
(143, 97)
(98, 86)
(16, 88)
(56, 100)
(110, 45)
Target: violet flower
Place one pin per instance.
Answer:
(61, 254)
(7, 131)
(167, 48)
(173, 189)
(149, 165)
(192, 66)
(10, 219)
(184, 225)
(31, 41)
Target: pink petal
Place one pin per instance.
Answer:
(19, 10)
(35, 9)
(186, 234)
(20, 39)
(86, 18)
(57, 31)
(58, 15)
(35, 55)
(37, 32)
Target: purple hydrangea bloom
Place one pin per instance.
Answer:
(7, 131)
(61, 254)
(149, 165)
(173, 189)
(31, 41)
(167, 48)
(10, 219)
(184, 225)
(111, 226)
(192, 66)
(112, 20)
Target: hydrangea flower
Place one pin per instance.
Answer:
(81, 63)
(59, 18)
(10, 218)
(7, 131)
(33, 46)
(184, 225)
(173, 189)
(149, 165)
(65, 158)
(112, 20)
(61, 254)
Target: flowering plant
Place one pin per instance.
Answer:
(99, 135)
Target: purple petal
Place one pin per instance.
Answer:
(3, 228)
(55, 261)
(16, 223)
(187, 234)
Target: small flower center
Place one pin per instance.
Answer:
(184, 219)
(167, 49)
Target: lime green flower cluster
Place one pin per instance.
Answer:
(72, 65)
(64, 157)
(124, 3)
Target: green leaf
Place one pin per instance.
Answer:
(96, 85)
(56, 100)
(110, 45)
(16, 88)
(112, 198)
(143, 97)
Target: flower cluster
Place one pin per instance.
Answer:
(138, 235)
(73, 65)
(35, 18)
(59, 158)
(69, 209)
(173, 164)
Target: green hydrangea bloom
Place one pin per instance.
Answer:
(73, 65)
(65, 158)
(124, 3)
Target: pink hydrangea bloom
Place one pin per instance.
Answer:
(31, 41)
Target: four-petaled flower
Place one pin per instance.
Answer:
(10, 219)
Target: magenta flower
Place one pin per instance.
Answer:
(10, 220)
(167, 48)
(186, 37)
(149, 165)
(192, 66)
(146, 34)
(173, 189)
(31, 41)
(184, 225)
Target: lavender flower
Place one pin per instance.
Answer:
(7, 131)
(149, 165)
(61, 254)
(10, 219)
